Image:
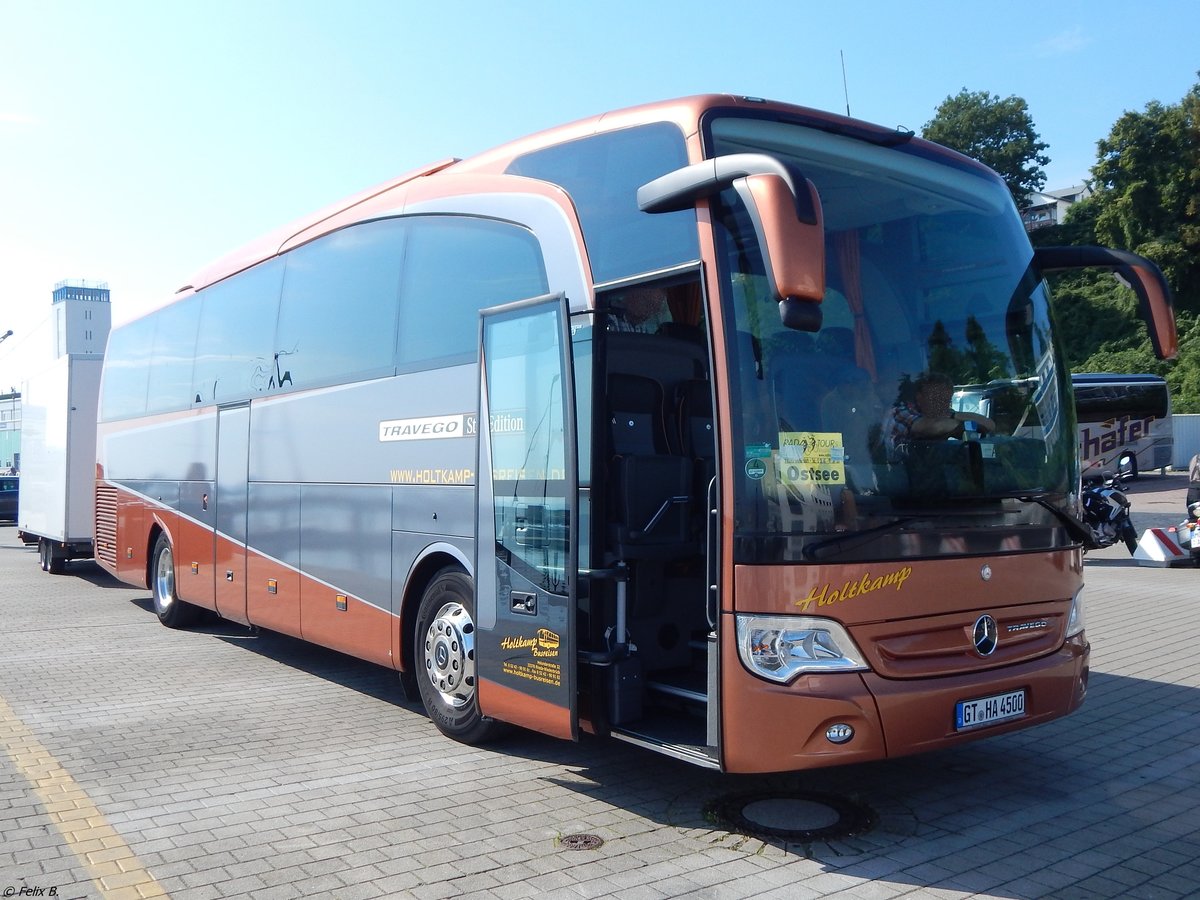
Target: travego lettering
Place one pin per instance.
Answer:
(425, 428)
(823, 596)
(399, 430)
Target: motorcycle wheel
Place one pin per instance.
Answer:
(1129, 535)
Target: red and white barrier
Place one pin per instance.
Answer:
(1158, 547)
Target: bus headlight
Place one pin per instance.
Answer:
(1076, 620)
(781, 647)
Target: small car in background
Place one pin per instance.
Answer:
(9, 491)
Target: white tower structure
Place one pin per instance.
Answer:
(82, 318)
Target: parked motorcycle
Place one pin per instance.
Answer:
(1106, 513)
(1188, 532)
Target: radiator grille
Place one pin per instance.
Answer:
(106, 525)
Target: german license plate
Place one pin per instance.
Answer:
(989, 710)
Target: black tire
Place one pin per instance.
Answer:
(444, 658)
(55, 565)
(171, 611)
(1129, 535)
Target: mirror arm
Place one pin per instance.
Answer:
(1155, 303)
(784, 211)
(682, 188)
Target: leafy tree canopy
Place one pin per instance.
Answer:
(997, 132)
(1146, 198)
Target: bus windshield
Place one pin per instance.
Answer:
(846, 441)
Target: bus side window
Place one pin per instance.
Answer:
(237, 327)
(455, 266)
(175, 329)
(337, 319)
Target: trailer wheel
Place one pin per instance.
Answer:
(55, 565)
(172, 612)
(445, 659)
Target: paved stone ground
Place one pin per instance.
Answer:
(138, 762)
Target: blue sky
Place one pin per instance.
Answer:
(141, 140)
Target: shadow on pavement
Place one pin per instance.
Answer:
(1067, 784)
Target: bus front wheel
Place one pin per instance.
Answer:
(171, 611)
(445, 658)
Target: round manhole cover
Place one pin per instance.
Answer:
(580, 842)
(793, 816)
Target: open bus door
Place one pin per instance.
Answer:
(527, 523)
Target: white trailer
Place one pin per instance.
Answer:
(58, 460)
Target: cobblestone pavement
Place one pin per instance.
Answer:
(136, 762)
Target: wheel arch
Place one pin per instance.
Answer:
(425, 567)
(156, 529)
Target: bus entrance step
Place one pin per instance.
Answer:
(697, 754)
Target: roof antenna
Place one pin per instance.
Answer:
(845, 90)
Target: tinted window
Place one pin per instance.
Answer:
(454, 267)
(602, 175)
(234, 359)
(337, 319)
(127, 369)
(1104, 402)
(174, 346)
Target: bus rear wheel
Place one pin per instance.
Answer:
(171, 611)
(444, 654)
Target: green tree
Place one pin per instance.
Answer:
(1146, 196)
(997, 132)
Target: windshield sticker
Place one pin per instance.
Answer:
(823, 596)
(812, 456)
(758, 451)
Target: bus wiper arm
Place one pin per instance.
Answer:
(1076, 528)
(811, 550)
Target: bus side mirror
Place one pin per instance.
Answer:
(793, 250)
(785, 212)
(1155, 305)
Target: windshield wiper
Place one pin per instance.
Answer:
(811, 550)
(1076, 528)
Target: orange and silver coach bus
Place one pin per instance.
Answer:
(637, 427)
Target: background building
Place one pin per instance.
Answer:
(82, 318)
(10, 431)
(1050, 207)
(78, 325)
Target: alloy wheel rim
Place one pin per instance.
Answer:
(450, 654)
(164, 581)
